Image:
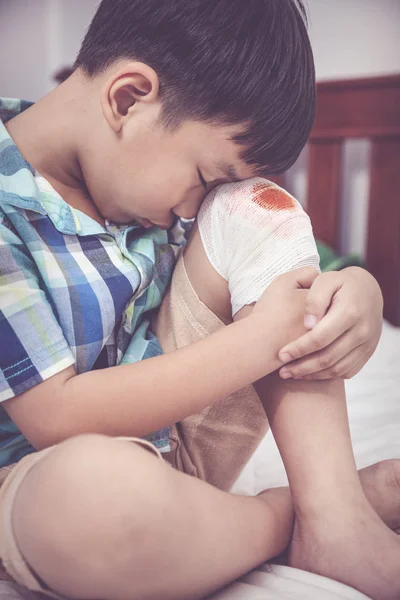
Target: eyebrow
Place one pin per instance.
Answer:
(228, 170)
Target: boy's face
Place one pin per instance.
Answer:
(135, 169)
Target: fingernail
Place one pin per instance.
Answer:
(310, 321)
(285, 357)
(285, 375)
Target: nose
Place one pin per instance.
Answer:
(189, 208)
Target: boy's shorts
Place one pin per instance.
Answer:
(214, 445)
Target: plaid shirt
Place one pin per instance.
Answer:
(72, 292)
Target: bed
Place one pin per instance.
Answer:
(353, 109)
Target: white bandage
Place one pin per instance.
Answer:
(252, 232)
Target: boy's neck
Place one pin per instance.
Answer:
(48, 136)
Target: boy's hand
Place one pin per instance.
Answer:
(280, 301)
(344, 313)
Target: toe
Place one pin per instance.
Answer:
(391, 470)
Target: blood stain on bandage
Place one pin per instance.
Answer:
(272, 197)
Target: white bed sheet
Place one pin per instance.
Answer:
(374, 413)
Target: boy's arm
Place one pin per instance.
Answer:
(143, 397)
(49, 402)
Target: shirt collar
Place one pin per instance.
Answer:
(17, 180)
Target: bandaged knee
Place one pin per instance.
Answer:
(252, 232)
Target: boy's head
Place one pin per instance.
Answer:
(188, 87)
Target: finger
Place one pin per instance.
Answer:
(325, 333)
(358, 367)
(320, 297)
(324, 359)
(344, 369)
(305, 277)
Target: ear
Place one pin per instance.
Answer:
(132, 84)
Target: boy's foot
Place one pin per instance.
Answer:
(353, 547)
(350, 543)
(381, 485)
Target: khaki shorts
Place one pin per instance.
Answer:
(13, 566)
(216, 444)
(213, 445)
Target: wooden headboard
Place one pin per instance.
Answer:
(368, 109)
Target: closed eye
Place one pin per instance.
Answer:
(202, 180)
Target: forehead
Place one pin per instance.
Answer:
(213, 143)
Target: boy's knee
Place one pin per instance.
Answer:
(87, 498)
(252, 232)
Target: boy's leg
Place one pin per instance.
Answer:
(99, 518)
(337, 534)
(310, 425)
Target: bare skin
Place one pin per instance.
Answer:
(381, 486)
(194, 537)
(336, 533)
(337, 545)
(352, 547)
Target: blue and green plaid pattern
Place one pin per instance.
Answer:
(72, 292)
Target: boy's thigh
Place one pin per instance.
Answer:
(216, 444)
(13, 565)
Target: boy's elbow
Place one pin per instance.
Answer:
(38, 413)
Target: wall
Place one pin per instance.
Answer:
(39, 36)
(24, 48)
(355, 38)
(75, 18)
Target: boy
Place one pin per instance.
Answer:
(99, 180)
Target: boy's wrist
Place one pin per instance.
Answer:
(263, 339)
(272, 330)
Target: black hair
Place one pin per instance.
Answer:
(245, 62)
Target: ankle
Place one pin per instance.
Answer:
(331, 502)
(279, 517)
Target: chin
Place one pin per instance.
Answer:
(119, 219)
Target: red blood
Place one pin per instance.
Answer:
(271, 197)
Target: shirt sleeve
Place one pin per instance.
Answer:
(32, 344)
(252, 232)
